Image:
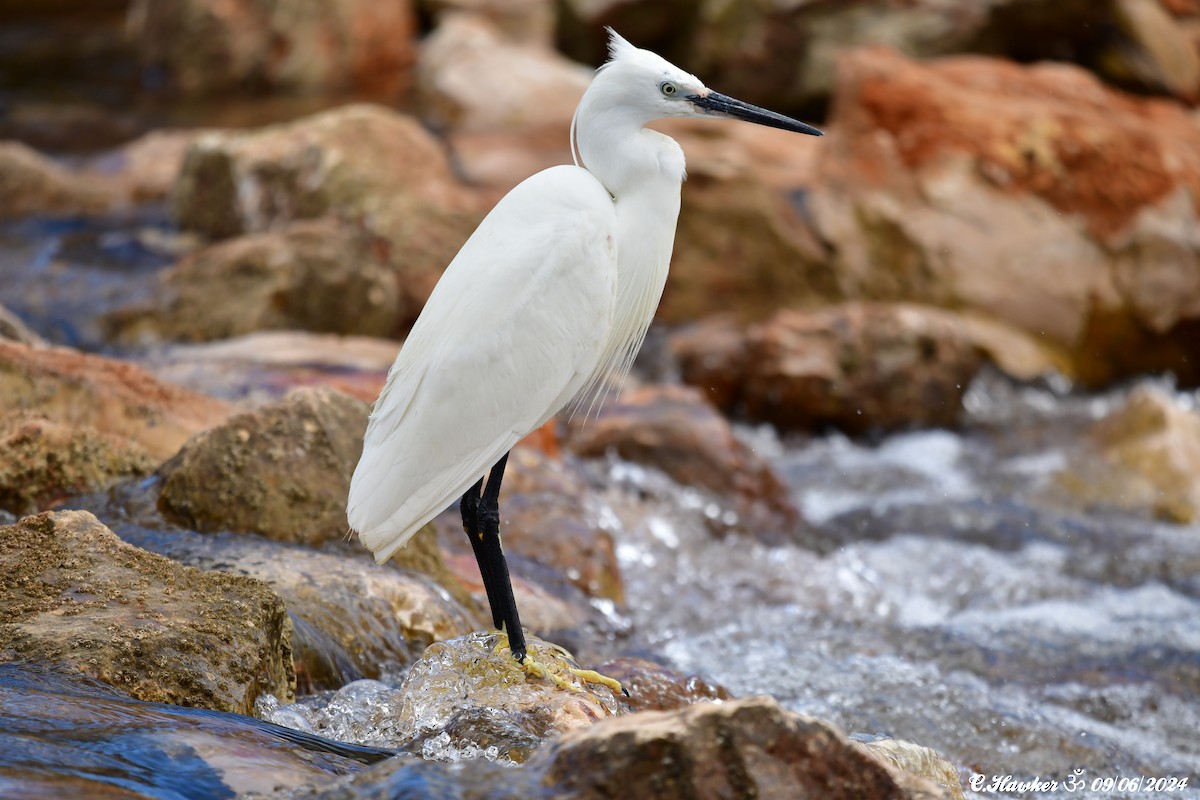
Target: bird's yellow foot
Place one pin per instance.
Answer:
(559, 661)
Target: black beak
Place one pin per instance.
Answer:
(724, 106)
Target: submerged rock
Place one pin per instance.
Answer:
(114, 398)
(43, 462)
(470, 696)
(67, 736)
(673, 429)
(75, 594)
(282, 470)
(857, 366)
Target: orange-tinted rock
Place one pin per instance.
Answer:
(282, 45)
(113, 397)
(30, 183)
(966, 182)
(857, 367)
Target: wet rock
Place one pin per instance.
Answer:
(316, 275)
(468, 695)
(114, 398)
(76, 594)
(43, 462)
(352, 618)
(673, 429)
(653, 687)
(964, 182)
(856, 366)
(281, 45)
(282, 470)
(916, 760)
(472, 78)
(67, 736)
(1151, 459)
(31, 183)
(13, 329)
(742, 748)
(374, 168)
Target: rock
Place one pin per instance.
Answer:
(279, 45)
(214, 755)
(653, 687)
(1163, 55)
(366, 165)
(916, 760)
(145, 169)
(282, 470)
(317, 275)
(858, 367)
(963, 183)
(114, 398)
(471, 78)
(469, 695)
(1150, 450)
(673, 429)
(76, 594)
(31, 183)
(268, 364)
(522, 21)
(43, 462)
(13, 329)
(353, 618)
(742, 748)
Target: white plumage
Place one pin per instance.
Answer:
(547, 301)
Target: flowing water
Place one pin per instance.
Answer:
(945, 587)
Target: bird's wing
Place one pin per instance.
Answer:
(510, 333)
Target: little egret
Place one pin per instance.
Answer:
(547, 302)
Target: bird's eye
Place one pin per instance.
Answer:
(668, 89)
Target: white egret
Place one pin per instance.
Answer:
(547, 301)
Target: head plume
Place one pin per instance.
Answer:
(618, 46)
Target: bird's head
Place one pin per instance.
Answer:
(650, 87)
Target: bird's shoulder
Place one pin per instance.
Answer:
(559, 189)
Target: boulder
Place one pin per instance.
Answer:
(316, 275)
(75, 594)
(857, 367)
(522, 21)
(1150, 459)
(472, 78)
(30, 183)
(673, 429)
(742, 748)
(279, 45)
(43, 462)
(965, 182)
(469, 694)
(371, 167)
(282, 470)
(114, 398)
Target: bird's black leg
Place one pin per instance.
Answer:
(493, 566)
(470, 517)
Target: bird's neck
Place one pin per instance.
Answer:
(625, 157)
